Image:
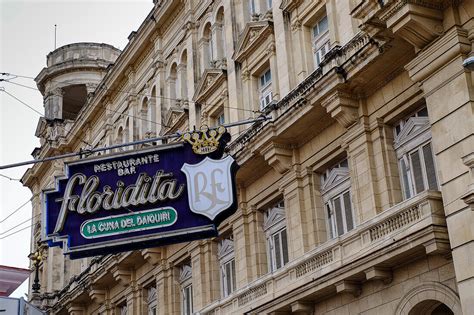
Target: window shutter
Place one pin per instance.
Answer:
(284, 245)
(430, 167)
(417, 171)
(330, 221)
(338, 210)
(348, 211)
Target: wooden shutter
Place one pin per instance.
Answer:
(430, 167)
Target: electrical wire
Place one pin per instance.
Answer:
(18, 224)
(17, 209)
(10, 178)
(124, 92)
(4, 237)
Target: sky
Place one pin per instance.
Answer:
(26, 37)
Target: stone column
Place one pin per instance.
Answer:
(246, 87)
(299, 51)
(271, 53)
(203, 46)
(53, 104)
(449, 93)
(181, 82)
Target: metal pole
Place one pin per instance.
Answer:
(55, 28)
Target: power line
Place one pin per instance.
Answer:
(99, 149)
(4, 237)
(17, 209)
(41, 115)
(18, 224)
(10, 178)
(124, 92)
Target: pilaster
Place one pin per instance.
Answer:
(449, 94)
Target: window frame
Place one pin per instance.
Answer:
(186, 286)
(265, 89)
(412, 135)
(320, 42)
(335, 184)
(275, 225)
(152, 301)
(226, 256)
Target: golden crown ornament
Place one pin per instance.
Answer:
(206, 140)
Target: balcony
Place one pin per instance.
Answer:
(413, 228)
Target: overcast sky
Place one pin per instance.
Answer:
(26, 37)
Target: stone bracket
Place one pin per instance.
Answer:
(97, 295)
(437, 247)
(302, 308)
(415, 23)
(468, 197)
(342, 107)
(122, 275)
(278, 156)
(347, 286)
(76, 309)
(153, 256)
(379, 273)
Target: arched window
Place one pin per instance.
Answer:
(182, 75)
(172, 95)
(144, 122)
(218, 35)
(206, 47)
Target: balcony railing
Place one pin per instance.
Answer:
(402, 220)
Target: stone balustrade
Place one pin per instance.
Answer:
(400, 221)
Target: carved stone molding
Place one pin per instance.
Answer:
(417, 22)
(301, 308)
(76, 309)
(342, 106)
(278, 156)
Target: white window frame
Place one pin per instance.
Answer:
(227, 259)
(335, 186)
(275, 227)
(320, 41)
(185, 280)
(152, 300)
(265, 88)
(412, 136)
(220, 119)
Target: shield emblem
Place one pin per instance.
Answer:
(209, 186)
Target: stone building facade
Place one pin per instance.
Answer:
(357, 197)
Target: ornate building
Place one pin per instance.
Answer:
(357, 197)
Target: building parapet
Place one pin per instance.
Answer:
(406, 220)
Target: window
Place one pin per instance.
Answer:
(320, 36)
(269, 4)
(252, 8)
(152, 301)
(123, 309)
(220, 120)
(415, 154)
(185, 280)
(265, 89)
(337, 199)
(277, 241)
(227, 266)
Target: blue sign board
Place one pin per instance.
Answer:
(125, 201)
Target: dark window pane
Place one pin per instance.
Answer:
(417, 172)
(228, 279)
(348, 210)
(276, 240)
(430, 167)
(323, 24)
(284, 245)
(233, 274)
(338, 210)
(423, 112)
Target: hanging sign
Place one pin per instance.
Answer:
(133, 200)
